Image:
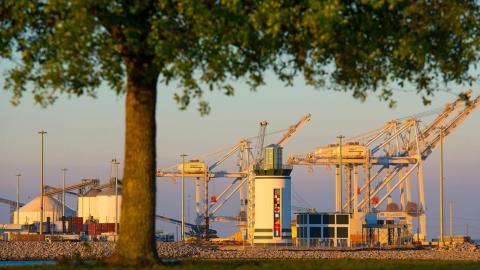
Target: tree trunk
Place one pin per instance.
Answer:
(136, 244)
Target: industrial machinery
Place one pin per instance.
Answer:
(246, 161)
(195, 230)
(389, 156)
(13, 207)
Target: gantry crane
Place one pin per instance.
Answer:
(389, 157)
(246, 159)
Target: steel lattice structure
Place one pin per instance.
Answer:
(388, 157)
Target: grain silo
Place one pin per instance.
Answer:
(99, 205)
(106, 205)
(87, 205)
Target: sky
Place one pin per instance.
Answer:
(84, 134)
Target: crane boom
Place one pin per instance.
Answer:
(451, 126)
(449, 108)
(232, 151)
(293, 129)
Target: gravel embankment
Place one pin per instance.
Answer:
(98, 250)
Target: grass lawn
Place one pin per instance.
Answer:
(283, 264)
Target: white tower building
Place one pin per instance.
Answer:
(272, 200)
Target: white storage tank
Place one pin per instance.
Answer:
(100, 205)
(87, 205)
(106, 205)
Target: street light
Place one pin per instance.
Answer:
(64, 171)
(18, 198)
(441, 240)
(183, 196)
(42, 134)
(339, 184)
(115, 163)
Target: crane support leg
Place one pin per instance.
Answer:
(198, 199)
(389, 188)
(422, 219)
(205, 205)
(338, 190)
(349, 188)
(402, 189)
(355, 188)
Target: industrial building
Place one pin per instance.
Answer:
(52, 210)
(272, 200)
(379, 188)
(99, 205)
(347, 230)
(323, 230)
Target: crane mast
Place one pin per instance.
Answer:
(260, 141)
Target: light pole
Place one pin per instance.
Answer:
(64, 172)
(451, 221)
(441, 240)
(115, 163)
(183, 196)
(339, 187)
(18, 198)
(42, 135)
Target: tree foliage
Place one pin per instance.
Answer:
(73, 46)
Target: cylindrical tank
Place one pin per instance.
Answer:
(272, 210)
(106, 205)
(87, 205)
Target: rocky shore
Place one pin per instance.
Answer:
(97, 250)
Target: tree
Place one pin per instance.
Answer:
(74, 46)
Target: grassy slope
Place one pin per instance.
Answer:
(283, 265)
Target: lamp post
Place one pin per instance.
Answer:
(340, 181)
(451, 221)
(18, 198)
(42, 135)
(115, 163)
(183, 196)
(441, 240)
(64, 172)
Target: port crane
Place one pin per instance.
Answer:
(389, 156)
(246, 159)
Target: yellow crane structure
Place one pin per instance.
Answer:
(246, 160)
(389, 157)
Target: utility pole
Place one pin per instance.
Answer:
(115, 164)
(451, 221)
(18, 198)
(183, 196)
(340, 180)
(441, 240)
(42, 134)
(64, 172)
